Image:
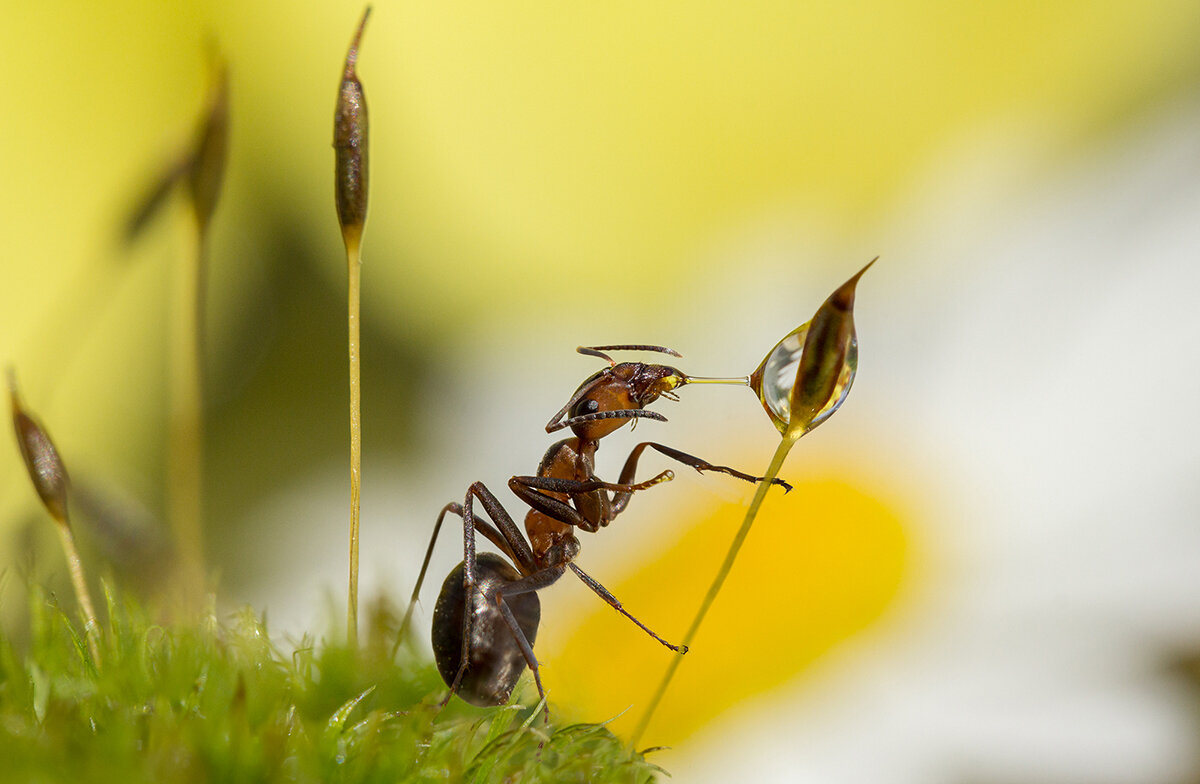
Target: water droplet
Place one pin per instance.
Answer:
(775, 377)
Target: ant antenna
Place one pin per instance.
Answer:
(632, 413)
(598, 351)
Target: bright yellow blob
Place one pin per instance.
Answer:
(821, 564)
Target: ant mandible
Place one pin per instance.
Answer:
(481, 653)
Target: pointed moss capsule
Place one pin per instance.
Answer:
(41, 458)
(807, 375)
(50, 480)
(350, 146)
(202, 164)
(210, 151)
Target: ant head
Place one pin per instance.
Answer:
(629, 386)
(647, 382)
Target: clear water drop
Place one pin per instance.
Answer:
(775, 377)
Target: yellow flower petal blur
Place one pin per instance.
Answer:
(823, 562)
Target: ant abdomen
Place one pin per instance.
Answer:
(495, 659)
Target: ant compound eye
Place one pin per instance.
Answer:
(588, 405)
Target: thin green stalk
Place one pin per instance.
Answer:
(185, 451)
(785, 445)
(825, 353)
(185, 454)
(75, 566)
(354, 269)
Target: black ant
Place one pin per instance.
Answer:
(481, 653)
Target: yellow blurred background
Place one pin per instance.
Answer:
(545, 175)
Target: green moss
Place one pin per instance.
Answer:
(221, 702)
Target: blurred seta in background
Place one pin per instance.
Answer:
(988, 562)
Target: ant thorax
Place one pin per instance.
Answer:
(551, 539)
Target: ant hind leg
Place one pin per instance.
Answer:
(412, 601)
(613, 602)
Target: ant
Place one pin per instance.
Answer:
(486, 618)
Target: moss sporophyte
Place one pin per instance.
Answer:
(350, 132)
(50, 481)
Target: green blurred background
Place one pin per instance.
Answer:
(544, 175)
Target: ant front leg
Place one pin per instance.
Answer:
(533, 490)
(621, 499)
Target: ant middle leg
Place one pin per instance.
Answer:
(621, 499)
(501, 541)
(508, 538)
(512, 543)
(490, 583)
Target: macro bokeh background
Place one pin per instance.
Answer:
(987, 572)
